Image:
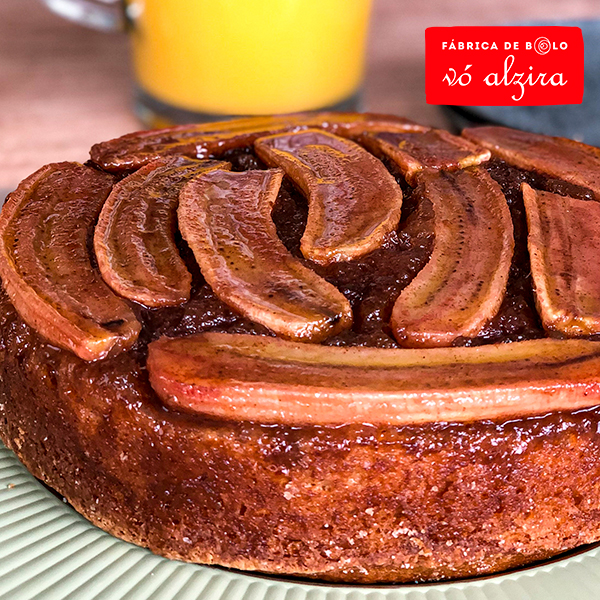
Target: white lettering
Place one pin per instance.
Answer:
(521, 80)
(450, 80)
(451, 77)
(558, 81)
(491, 79)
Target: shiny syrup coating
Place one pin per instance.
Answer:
(559, 158)
(225, 217)
(444, 499)
(463, 284)
(373, 282)
(353, 201)
(447, 500)
(564, 242)
(134, 239)
(47, 266)
(435, 149)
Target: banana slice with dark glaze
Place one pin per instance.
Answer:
(557, 157)
(564, 247)
(47, 271)
(225, 218)
(266, 380)
(135, 235)
(434, 149)
(134, 150)
(354, 202)
(463, 284)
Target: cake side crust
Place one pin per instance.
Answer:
(354, 504)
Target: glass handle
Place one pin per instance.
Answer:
(105, 15)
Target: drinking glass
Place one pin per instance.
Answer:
(206, 59)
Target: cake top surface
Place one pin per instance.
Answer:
(346, 257)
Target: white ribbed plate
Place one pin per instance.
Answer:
(49, 552)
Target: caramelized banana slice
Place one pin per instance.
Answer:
(557, 157)
(564, 246)
(135, 236)
(434, 149)
(266, 380)
(463, 284)
(45, 266)
(353, 200)
(226, 219)
(134, 150)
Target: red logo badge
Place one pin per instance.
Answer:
(504, 66)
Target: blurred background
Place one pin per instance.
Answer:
(64, 87)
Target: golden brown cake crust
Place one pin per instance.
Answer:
(397, 500)
(354, 503)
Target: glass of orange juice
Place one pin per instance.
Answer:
(207, 59)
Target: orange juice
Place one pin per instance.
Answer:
(249, 56)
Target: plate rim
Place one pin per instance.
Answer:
(19, 490)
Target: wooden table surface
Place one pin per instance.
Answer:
(63, 87)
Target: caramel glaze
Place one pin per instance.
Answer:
(373, 282)
(355, 503)
(226, 220)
